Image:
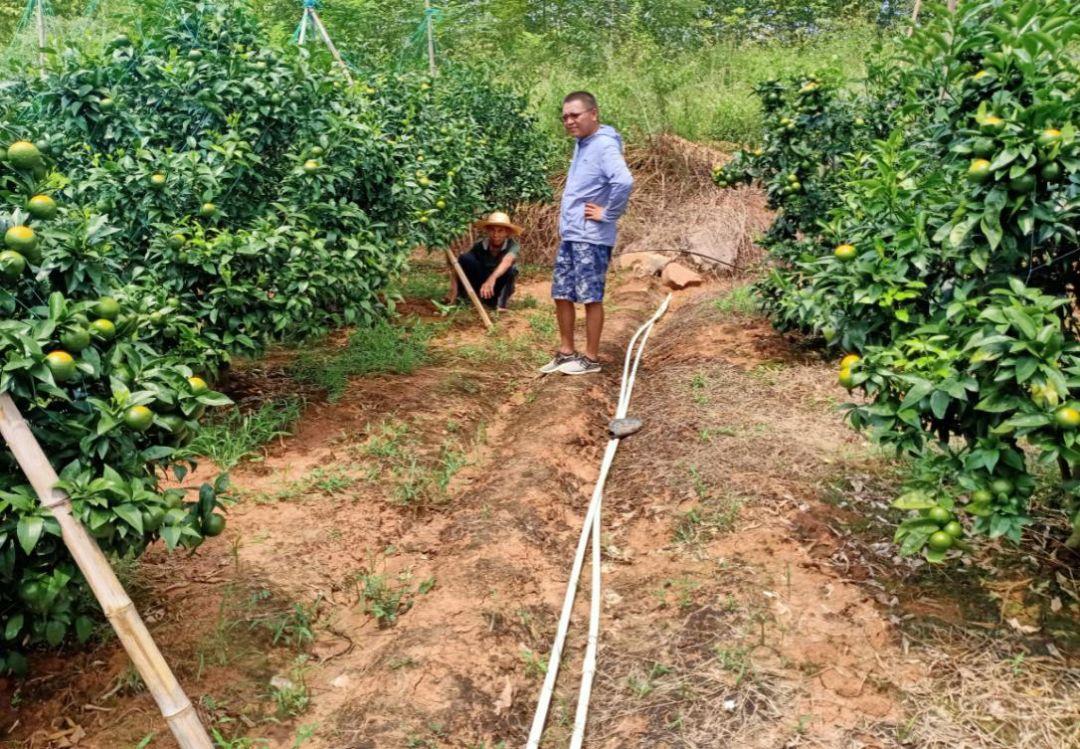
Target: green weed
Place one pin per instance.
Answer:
(380, 349)
(740, 301)
(237, 435)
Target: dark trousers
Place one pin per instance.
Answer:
(478, 273)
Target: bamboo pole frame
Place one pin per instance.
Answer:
(40, 17)
(174, 704)
(430, 38)
(330, 44)
(463, 281)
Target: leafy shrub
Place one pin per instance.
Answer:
(938, 239)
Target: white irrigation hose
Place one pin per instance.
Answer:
(591, 526)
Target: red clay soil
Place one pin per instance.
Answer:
(434, 592)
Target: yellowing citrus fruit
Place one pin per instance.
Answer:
(845, 252)
(1067, 417)
(198, 385)
(24, 155)
(12, 264)
(103, 329)
(42, 207)
(849, 361)
(138, 418)
(62, 365)
(979, 170)
(846, 378)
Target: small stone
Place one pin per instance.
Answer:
(282, 684)
(678, 276)
(341, 682)
(644, 263)
(624, 427)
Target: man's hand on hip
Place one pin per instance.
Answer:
(594, 212)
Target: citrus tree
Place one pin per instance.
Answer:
(110, 408)
(257, 194)
(942, 255)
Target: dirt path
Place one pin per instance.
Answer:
(421, 532)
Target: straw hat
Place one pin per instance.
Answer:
(498, 218)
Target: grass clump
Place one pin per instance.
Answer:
(238, 435)
(381, 349)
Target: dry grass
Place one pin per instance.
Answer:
(675, 207)
(983, 697)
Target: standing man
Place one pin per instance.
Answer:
(597, 190)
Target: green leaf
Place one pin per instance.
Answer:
(84, 628)
(939, 403)
(14, 626)
(130, 514)
(29, 531)
(55, 631)
(917, 499)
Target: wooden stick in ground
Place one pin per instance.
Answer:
(175, 706)
(915, 16)
(40, 18)
(330, 45)
(463, 282)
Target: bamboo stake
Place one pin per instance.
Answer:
(463, 281)
(41, 34)
(330, 44)
(914, 16)
(175, 706)
(303, 27)
(430, 38)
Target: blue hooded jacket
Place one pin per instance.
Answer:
(598, 174)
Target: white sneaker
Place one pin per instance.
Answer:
(580, 365)
(559, 360)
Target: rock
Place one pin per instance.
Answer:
(282, 683)
(644, 263)
(714, 248)
(678, 276)
(341, 682)
(624, 427)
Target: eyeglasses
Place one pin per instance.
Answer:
(573, 116)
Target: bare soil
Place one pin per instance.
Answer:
(391, 573)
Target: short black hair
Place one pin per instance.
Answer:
(583, 96)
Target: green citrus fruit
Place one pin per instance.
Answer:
(940, 541)
(1001, 486)
(316, 151)
(24, 155)
(62, 365)
(173, 422)
(42, 207)
(311, 166)
(979, 170)
(939, 515)
(195, 54)
(12, 264)
(152, 519)
(845, 252)
(198, 385)
(954, 529)
(75, 339)
(207, 210)
(1050, 171)
(106, 104)
(138, 418)
(213, 525)
(1067, 417)
(1023, 184)
(158, 180)
(107, 307)
(983, 147)
(440, 204)
(1049, 137)
(176, 241)
(21, 239)
(103, 329)
(981, 496)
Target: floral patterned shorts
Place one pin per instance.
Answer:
(580, 272)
